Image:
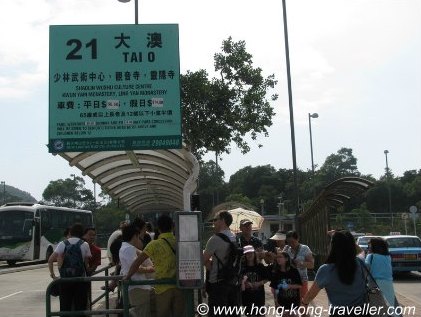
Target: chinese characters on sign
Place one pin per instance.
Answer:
(114, 87)
(189, 252)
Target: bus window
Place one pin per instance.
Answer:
(12, 223)
(27, 227)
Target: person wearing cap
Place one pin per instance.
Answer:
(254, 276)
(245, 237)
(275, 243)
(301, 257)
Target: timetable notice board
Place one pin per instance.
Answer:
(189, 251)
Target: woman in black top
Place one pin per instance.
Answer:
(254, 276)
(286, 281)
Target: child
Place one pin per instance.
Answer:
(254, 277)
(286, 281)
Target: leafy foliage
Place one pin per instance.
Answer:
(69, 192)
(220, 110)
(12, 194)
(212, 188)
(367, 213)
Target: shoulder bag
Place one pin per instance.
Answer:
(373, 295)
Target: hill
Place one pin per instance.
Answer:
(14, 194)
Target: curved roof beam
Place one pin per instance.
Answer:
(116, 188)
(146, 175)
(158, 179)
(158, 198)
(135, 195)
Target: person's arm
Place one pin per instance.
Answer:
(145, 268)
(207, 261)
(87, 255)
(294, 286)
(311, 294)
(95, 261)
(136, 264)
(53, 258)
(309, 261)
(209, 251)
(368, 260)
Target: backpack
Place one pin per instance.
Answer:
(73, 263)
(230, 272)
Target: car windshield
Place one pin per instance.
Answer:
(406, 242)
(363, 240)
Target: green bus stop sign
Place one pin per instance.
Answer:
(114, 87)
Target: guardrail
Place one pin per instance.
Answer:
(105, 294)
(124, 284)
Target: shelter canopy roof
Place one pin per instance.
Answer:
(142, 180)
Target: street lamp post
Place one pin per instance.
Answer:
(4, 192)
(314, 116)
(136, 10)
(280, 205)
(94, 193)
(291, 116)
(262, 205)
(388, 186)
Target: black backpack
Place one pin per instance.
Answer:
(230, 272)
(73, 263)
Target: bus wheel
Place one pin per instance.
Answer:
(48, 254)
(11, 262)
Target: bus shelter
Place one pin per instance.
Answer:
(142, 180)
(314, 221)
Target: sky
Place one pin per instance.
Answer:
(355, 63)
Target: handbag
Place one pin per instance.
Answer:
(373, 294)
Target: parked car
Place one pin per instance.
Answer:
(362, 241)
(405, 252)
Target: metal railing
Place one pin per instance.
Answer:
(89, 279)
(124, 288)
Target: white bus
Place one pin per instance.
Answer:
(30, 231)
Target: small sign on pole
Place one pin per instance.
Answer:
(413, 210)
(189, 251)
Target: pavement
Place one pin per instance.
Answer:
(321, 300)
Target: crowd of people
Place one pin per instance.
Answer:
(140, 254)
(284, 263)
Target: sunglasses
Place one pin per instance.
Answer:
(215, 219)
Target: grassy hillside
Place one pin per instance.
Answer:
(13, 194)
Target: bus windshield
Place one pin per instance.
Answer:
(16, 224)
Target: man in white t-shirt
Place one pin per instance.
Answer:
(139, 295)
(74, 295)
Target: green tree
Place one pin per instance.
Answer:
(411, 182)
(211, 186)
(257, 183)
(339, 165)
(69, 192)
(226, 109)
(108, 217)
